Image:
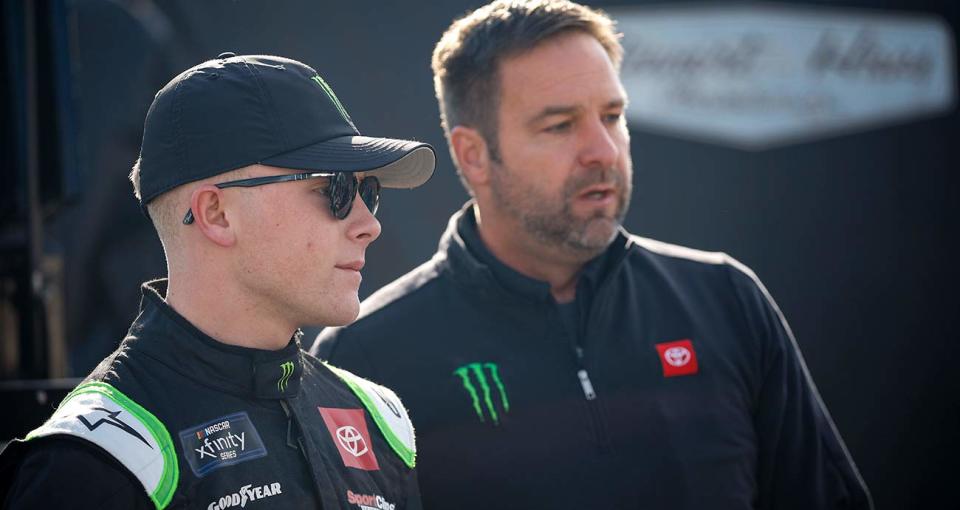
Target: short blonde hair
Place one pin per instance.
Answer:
(162, 210)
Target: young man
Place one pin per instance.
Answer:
(566, 363)
(263, 193)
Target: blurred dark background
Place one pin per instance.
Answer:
(851, 233)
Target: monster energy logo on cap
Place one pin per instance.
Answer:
(287, 368)
(478, 371)
(333, 97)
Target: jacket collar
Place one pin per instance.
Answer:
(165, 335)
(470, 263)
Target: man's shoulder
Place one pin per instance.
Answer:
(112, 412)
(99, 413)
(64, 472)
(677, 259)
(416, 284)
(387, 411)
(406, 297)
(709, 275)
(675, 252)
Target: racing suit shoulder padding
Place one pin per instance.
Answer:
(99, 413)
(387, 412)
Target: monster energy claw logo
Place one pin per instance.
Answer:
(333, 97)
(287, 368)
(479, 372)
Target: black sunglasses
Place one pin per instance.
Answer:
(341, 190)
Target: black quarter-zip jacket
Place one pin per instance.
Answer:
(676, 385)
(175, 419)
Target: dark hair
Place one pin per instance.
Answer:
(467, 57)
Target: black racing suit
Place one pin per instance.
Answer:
(175, 419)
(671, 382)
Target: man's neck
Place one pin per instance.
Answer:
(222, 313)
(532, 259)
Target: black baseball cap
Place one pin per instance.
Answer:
(235, 111)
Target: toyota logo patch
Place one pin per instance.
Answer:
(351, 440)
(678, 358)
(348, 432)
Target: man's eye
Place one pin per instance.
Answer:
(559, 127)
(323, 190)
(323, 186)
(613, 118)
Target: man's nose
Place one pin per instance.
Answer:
(599, 146)
(363, 225)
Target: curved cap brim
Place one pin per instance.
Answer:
(396, 163)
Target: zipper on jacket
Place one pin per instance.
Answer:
(586, 384)
(293, 429)
(589, 393)
(319, 475)
(584, 377)
(292, 442)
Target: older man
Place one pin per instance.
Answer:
(251, 170)
(549, 358)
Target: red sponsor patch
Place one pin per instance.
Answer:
(677, 358)
(348, 428)
(369, 501)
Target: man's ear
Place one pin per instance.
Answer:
(469, 150)
(210, 216)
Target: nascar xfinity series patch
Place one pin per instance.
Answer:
(221, 442)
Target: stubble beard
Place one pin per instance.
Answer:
(553, 223)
